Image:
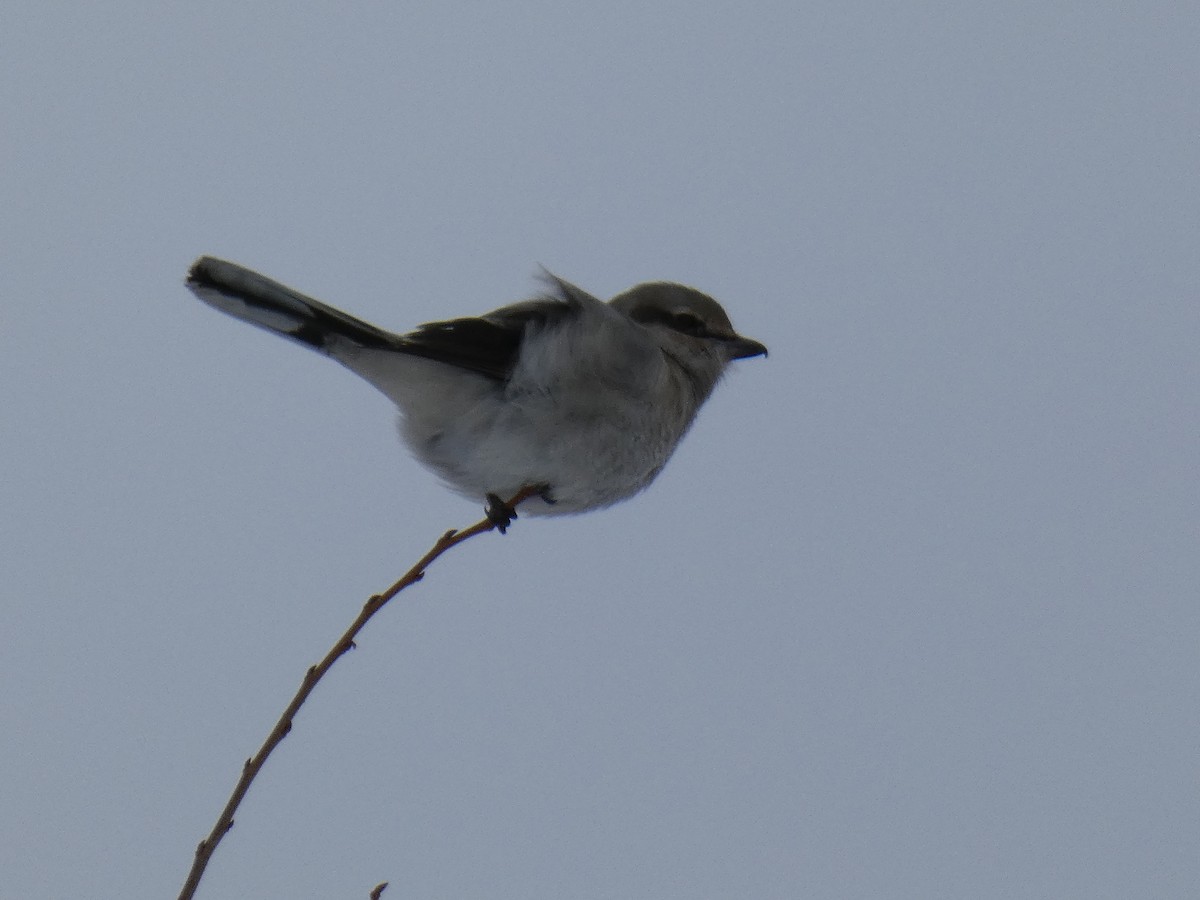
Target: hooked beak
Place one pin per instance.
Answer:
(739, 347)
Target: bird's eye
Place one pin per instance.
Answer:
(688, 323)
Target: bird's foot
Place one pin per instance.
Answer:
(499, 512)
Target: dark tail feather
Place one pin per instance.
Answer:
(254, 298)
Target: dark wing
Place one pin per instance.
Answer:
(490, 344)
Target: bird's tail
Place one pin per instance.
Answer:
(254, 298)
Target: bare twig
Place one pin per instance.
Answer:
(254, 764)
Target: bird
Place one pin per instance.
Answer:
(565, 402)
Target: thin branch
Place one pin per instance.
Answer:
(314, 674)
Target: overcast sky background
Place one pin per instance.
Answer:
(913, 612)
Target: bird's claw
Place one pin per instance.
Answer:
(499, 513)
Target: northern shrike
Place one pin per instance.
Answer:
(571, 401)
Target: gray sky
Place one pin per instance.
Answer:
(912, 613)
